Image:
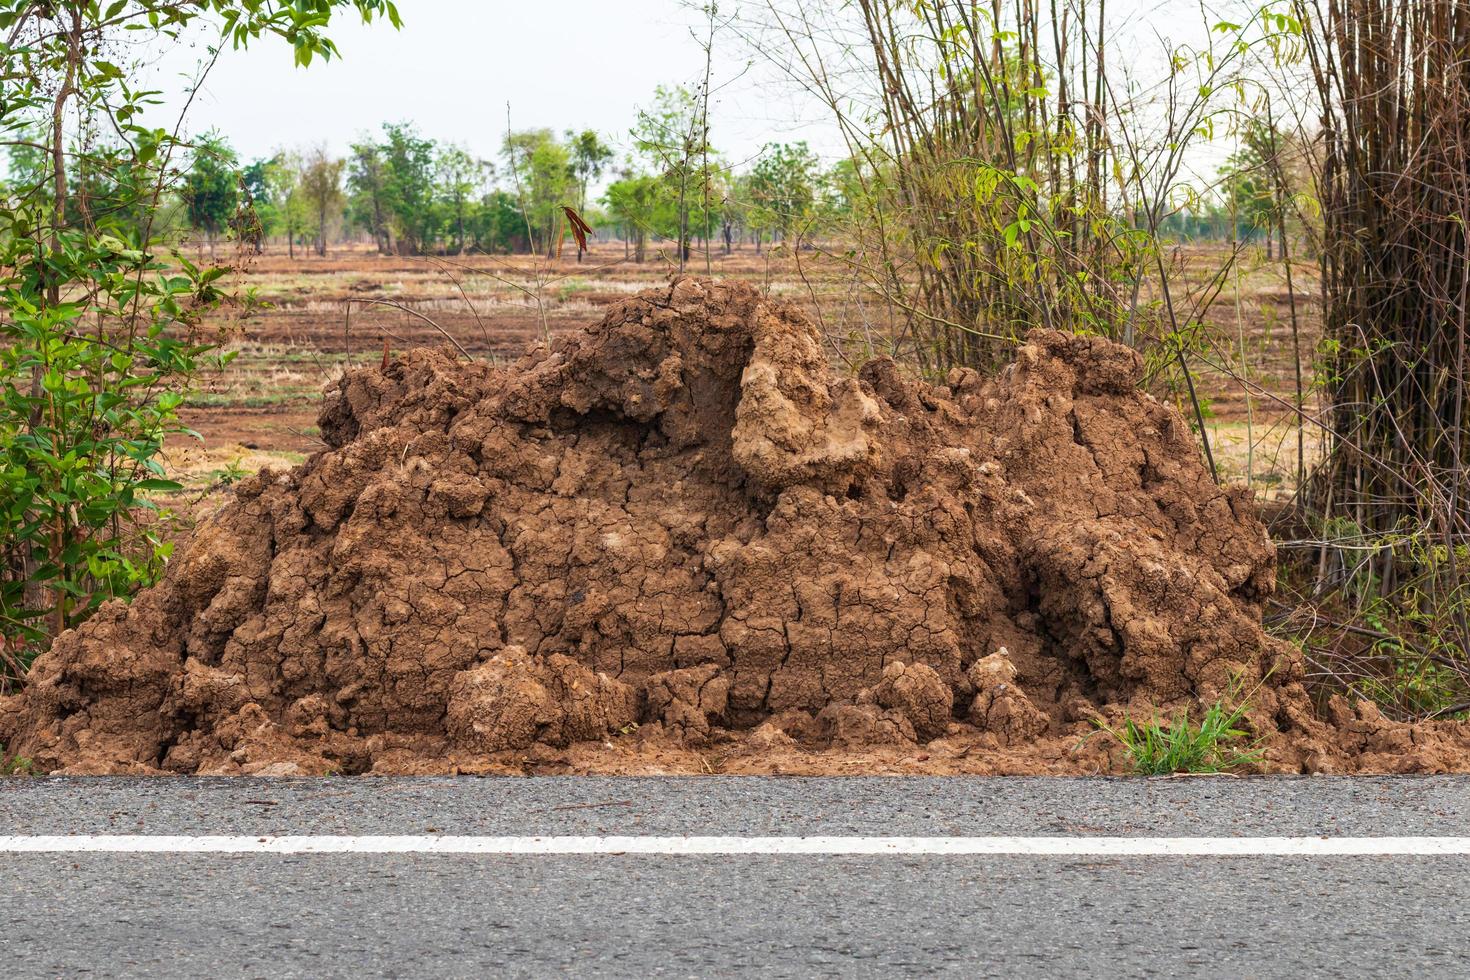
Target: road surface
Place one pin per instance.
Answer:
(637, 877)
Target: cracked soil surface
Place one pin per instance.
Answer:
(679, 542)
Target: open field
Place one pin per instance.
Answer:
(318, 314)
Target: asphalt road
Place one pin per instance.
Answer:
(354, 914)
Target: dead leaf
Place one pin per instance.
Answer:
(580, 229)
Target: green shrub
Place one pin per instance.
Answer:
(90, 392)
(99, 315)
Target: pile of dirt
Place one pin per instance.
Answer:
(678, 541)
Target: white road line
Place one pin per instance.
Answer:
(882, 846)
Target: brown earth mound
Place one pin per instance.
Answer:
(678, 542)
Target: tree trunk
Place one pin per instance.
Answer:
(382, 233)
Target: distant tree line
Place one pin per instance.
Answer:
(411, 195)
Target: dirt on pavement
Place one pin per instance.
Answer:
(678, 541)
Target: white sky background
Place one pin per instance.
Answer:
(562, 64)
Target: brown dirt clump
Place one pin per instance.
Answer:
(677, 541)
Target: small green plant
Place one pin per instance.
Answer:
(1412, 686)
(1410, 671)
(16, 765)
(571, 287)
(231, 473)
(1215, 744)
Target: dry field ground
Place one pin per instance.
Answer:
(316, 315)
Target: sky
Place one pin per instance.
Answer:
(561, 64)
(454, 66)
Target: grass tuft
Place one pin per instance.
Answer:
(15, 765)
(1216, 744)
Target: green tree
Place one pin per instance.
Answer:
(843, 191)
(395, 196)
(634, 201)
(257, 180)
(321, 190)
(211, 189)
(729, 211)
(409, 162)
(100, 318)
(783, 186)
(367, 179)
(1250, 183)
(105, 188)
(272, 188)
(284, 181)
(541, 169)
(497, 224)
(673, 136)
(460, 177)
(589, 158)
